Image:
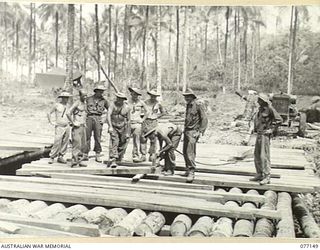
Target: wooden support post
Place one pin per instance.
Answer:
(92, 216)
(151, 224)
(202, 228)
(49, 211)
(181, 225)
(265, 227)
(111, 218)
(71, 212)
(127, 226)
(7, 227)
(307, 222)
(285, 227)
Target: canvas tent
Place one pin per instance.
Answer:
(52, 79)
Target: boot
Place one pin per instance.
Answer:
(85, 157)
(74, 164)
(186, 173)
(151, 157)
(61, 160)
(51, 161)
(98, 158)
(113, 163)
(135, 159)
(265, 180)
(81, 164)
(190, 177)
(143, 158)
(257, 177)
(168, 173)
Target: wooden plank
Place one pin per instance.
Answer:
(154, 202)
(81, 229)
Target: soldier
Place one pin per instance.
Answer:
(155, 111)
(96, 106)
(138, 113)
(77, 115)
(62, 128)
(196, 122)
(266, 120)
(170, 134)
(119, 129)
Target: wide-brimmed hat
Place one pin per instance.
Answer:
(252, 92)
(99, 87)
(120, 95)
(153, 92)
(64, 94)
(189, 92)
(135, 90)
(76, 76)
(315, 99)
(264, 97)
(149, 132)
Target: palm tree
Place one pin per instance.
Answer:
(97, 38)
(116, 42)
(158, 44)
(226, 46)
(177, 47)
(144, 46)
(70, 47)
(185, 46)
(48, 11)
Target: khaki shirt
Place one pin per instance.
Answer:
(196, 118)
(96, 106)
(266, 118)
(137, 110)
(119, 115)
(79, 112)
(155, 109)
(61, 114)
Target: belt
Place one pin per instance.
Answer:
(94, 115)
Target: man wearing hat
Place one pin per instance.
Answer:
(170, 134)
(138, 113)
(77, 115)
(155, 111)
(196, 123)
(266, 120)
(119, 128)
(77, 79)
(62, 129)
(96, 106)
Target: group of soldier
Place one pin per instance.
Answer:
(137, 119)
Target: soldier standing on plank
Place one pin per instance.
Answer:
(77, 115)
(266, 120)
(195, 125)
(96, 106)
(155, 111)
(138, 113)
(62, 128)
(119, 129)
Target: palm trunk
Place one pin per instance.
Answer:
(177, 49)
(17, 48)
(185, 47)
(97, 39)
(239, 52)
(115, 43)
(81, 39)
(290, 51)
(219, 54)
(144, 47)
(30, 44)
(34, 56)
(125, 39)
(226, 48)
(170, 28)
(253, 48)
(234, 51)
(70, 47)
(206, 43)
(57, 37)
(110, 43)
(245, 46)
(158, 44)
(6, 37)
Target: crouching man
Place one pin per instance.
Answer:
(77, 115)
(266, 120)
(119, 129)
(170, 135)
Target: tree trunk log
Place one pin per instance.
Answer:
(181, 225)
(222, 228)
(4, 203)
(285, 227)
(151, 224)
(15, 207)
(70, 213)
(244, 228)
(127, 226)
(111, 218)
(93, 216)
(33, 207)
(202, 228)
(307, 222)
(49, 211)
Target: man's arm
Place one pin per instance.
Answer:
(203, 119)
(50, 112)
(167, 140)
(70, 112)
(161, 109)
(146, 114)
(110, 110)
(128, 129)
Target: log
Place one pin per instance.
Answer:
(127, 226)
(236, 190)
(138, 177)
(87, 230)
(92, 216)
(265, 227)
(33, 207)
(49, 211)
(285, 227)
(151, 224)
(69, 213)
(307, 222)
(222, 228)
(7, 227)
(111, 218)
(202, 227)
(16, 207)
(181, 225)
(4, 203)
(244, 228)
(254, 192)
(165, 231)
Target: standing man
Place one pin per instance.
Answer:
(266, 120)
(119, 129)
(96, 106)
(138, 113)
(170, 134)
(77, 115)
(62, 129)
(155, 111)
(195, 125)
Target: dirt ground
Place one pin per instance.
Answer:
(25, 113)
